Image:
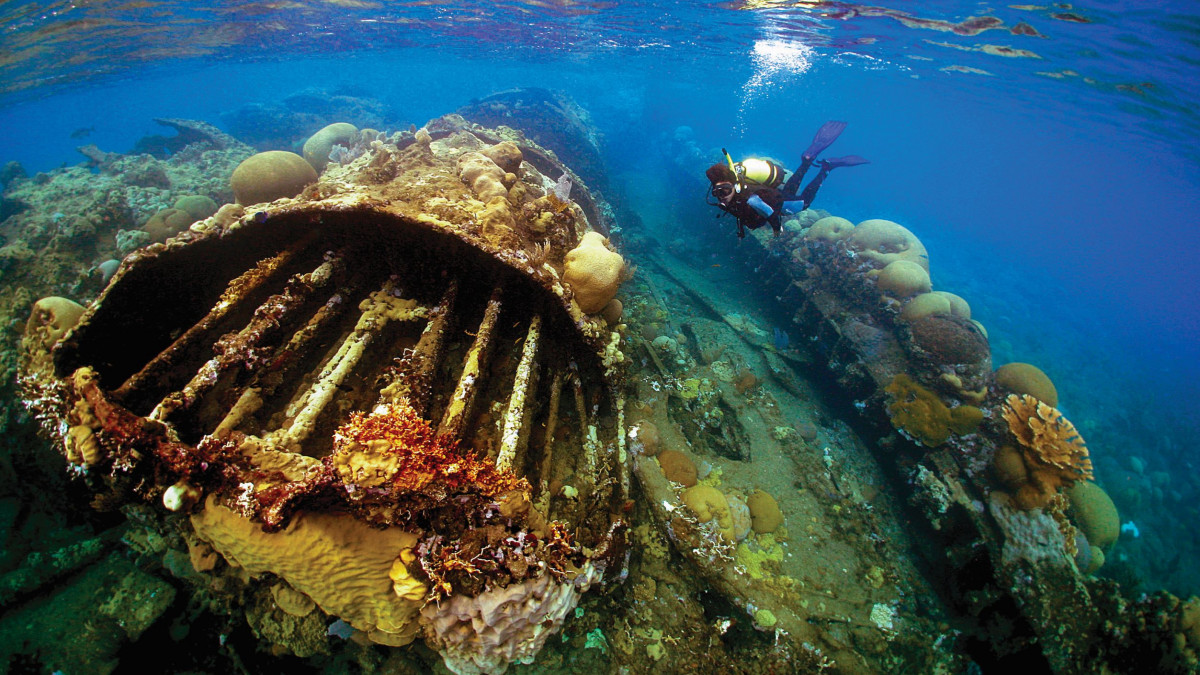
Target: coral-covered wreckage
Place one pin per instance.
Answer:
(383, 397)
(1000, 475)
(380, 392)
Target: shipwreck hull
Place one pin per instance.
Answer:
(1011, 568)
(376, 392)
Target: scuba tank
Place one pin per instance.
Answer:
(754, 170)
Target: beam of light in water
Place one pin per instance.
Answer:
(775, 61)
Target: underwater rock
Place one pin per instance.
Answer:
(188, 133)
(275, 125)
(368, 322)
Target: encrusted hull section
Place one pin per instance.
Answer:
(378, 391)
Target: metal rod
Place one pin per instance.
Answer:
(551, 427)
(414, 380)
(236, 294)
(516, 420)
(622, 459)
(234, 352)
(378, 309)
(585, 428)
(465, 392)
(285, 358)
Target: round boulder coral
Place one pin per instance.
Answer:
(198, 207)
(765, 515)
(830, 228)
(948, 340)
(593, 271)
(958, 306)
(1025, 378)
(925, 304)
(708, 503)
(51, 318)
(1009, 467)
(903, 278)
(506, 155)
(167, 223)
(612, 312)
(271, 175)
(677, 467)
(1094, 513)
(319, 145)
(884, 242)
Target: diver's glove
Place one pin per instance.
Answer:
(759, 205)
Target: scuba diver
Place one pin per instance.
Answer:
(750, 189)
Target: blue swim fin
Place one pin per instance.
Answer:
(827, 165)
(848, 160)
(826, 135)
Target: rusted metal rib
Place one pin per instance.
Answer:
(237, 351)
(548, 447)
(586, 430)
(285, 358)
(414, 379)
(377, 309)
(622, 460)
(459, 409)
(235, 297)
(515, 436)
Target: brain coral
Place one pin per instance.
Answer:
(484, 176)
(1024, 378)
(271, 175)
(593, 271)
(884, 242)
(319, 145)
(1095, 513)
(949, 340)
(903, 278)
(51, 318)
(708, 503)
(830, 228)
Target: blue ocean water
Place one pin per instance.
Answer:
(1048, 159)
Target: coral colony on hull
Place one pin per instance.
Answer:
(382, 395)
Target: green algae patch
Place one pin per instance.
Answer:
(756, 551)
